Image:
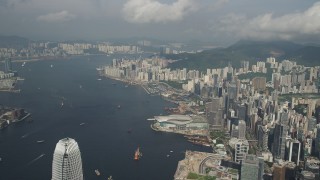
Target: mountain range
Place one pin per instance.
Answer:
(252, 51)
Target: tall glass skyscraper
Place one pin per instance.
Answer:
(67, 164)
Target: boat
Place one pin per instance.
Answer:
(23, 64)
(99, 69)
(97, 172)
(119, 106)
(82, 124)
(137, 154)
(0, 159)
(40, 141)
(61, 104)
(110, 178)
(126, 86)
(51, 66)
(99, 79)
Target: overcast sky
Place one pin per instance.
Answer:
(219, 21)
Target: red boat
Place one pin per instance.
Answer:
(137, 154)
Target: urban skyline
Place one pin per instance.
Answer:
(142, 107)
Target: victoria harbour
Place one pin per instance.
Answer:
(66, 98)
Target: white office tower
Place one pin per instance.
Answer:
(67, 164)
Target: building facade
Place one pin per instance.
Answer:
(67, 163)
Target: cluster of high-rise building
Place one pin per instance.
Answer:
(7, 80)
(52, 49)
(262, 127)
(80, 48)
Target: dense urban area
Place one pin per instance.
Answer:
(261, 120)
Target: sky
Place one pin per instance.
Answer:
(221, 22)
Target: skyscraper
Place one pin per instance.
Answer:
(242, 129)
(67, 164)
(278, 152)
(294, 151)
(241, 150)
(252, 168)
(7, 65)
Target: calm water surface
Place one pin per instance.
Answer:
(104, 141)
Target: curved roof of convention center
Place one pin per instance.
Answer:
(175, 119)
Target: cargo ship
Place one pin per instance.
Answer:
(137, 154)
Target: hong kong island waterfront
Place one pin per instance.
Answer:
(159, 90)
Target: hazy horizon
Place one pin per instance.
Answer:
(221, 22)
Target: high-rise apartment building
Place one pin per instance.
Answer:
(241, 150)
(67, 164)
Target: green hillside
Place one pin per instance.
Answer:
(247, 50)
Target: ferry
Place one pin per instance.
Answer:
(97, 172)
(137, 154)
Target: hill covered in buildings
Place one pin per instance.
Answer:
(252, 51)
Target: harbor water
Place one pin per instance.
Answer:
(108, 119)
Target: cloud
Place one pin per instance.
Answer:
(292, 26)
(146, 11)
(62, 16)
(216, 5)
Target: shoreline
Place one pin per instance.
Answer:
(19, 120)
(10, 90)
